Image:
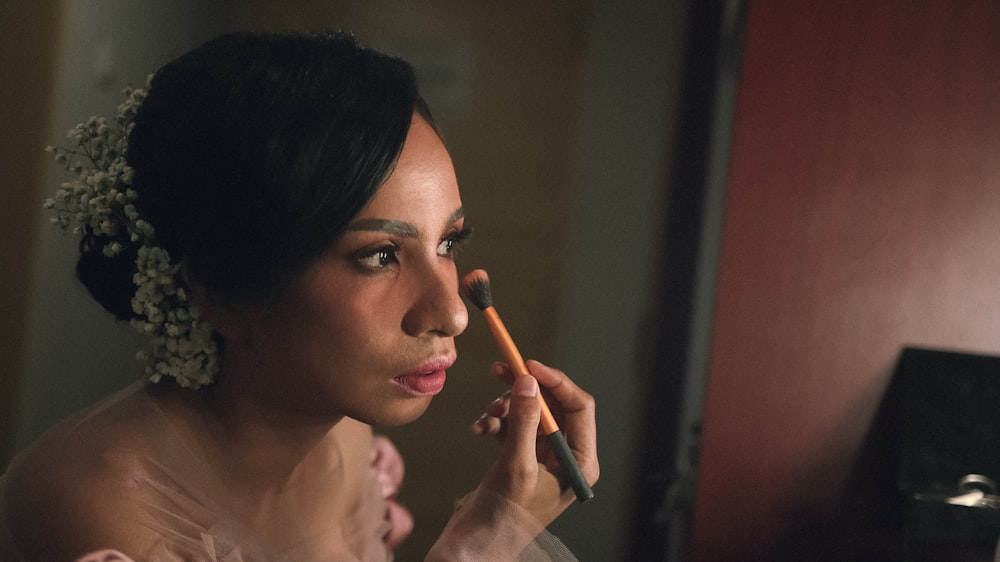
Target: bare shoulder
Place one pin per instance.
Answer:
(76, 489)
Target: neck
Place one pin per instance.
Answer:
(260, 461)
(255, 427)
(251, 439)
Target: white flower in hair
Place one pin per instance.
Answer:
(100, 202)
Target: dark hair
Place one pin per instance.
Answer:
(252, 152)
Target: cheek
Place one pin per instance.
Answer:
(358, 320)
(327, 316)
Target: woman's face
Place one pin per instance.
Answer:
(368, 330)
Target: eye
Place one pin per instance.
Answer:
(450, 244)
(380, 258)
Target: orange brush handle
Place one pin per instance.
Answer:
(516, 362)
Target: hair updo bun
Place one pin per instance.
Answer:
(252, 152)
(108, 278)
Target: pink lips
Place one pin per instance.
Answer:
(426, 380)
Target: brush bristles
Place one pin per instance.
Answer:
(476, 288)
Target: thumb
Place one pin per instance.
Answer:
(522, 421)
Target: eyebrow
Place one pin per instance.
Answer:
(396, 227)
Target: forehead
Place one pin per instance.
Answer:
(423, 150)
(421, 184)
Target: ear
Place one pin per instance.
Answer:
(221, 313)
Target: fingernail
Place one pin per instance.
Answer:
(496, 369)
(481, 425)
(525, 385)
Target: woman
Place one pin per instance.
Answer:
(283, 224)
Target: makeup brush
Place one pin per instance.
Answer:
(476, 288)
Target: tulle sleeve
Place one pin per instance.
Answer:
(348, 511)
(487, 527)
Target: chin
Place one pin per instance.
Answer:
(395, 414)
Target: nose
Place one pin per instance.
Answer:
(437, 307)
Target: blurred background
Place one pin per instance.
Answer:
(724, 219)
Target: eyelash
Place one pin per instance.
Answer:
(454, 241)
(387, 255)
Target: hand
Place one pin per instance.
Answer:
(388, 466)
(527, 472)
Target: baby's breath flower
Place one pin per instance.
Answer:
(100, 201)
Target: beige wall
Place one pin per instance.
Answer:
(26, 61)
(72, 352)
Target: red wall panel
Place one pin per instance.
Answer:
(863, 215)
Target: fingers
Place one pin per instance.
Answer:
(516, 472)
(523, 413)
(556, 383)
(387, 464)
(105, 556)
(528, 471)
(573, 408)
(551, 380)
(491, 422)
(563, 395)
(401, 524)
(502, 372)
